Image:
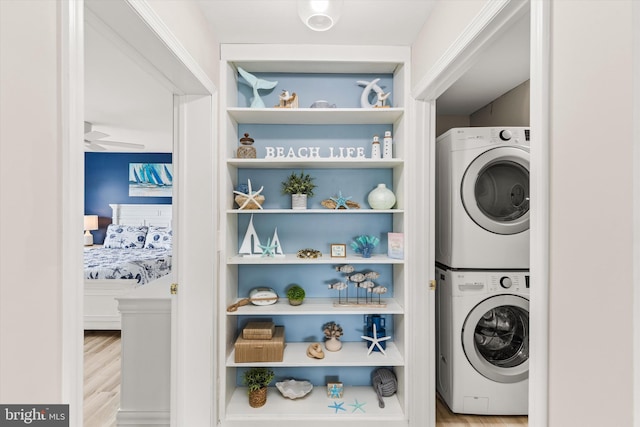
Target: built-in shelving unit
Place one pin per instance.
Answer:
(319, 226)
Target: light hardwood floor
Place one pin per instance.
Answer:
(102, 388)
(101, 378)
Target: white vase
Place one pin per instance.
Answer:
(333, 344)
(381, 198)
(298, 201)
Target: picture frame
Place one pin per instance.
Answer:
(338, 250)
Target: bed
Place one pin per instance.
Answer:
(137, 251)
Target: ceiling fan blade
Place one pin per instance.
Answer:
(122, 144)
(94, 147)
(94, 134)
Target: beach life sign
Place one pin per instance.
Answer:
(150, 179)
(314, 153)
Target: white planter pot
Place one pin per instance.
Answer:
(298, 201)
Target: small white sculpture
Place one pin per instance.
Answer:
(381, 97)
(288, 100)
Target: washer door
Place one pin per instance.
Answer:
(495, 190)
(495, 338)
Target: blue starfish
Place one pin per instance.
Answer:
(268, 249)
(357, 406)
(337, 406)
(334, 391)
(340, 201)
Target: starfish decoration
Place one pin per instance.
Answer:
(250, 196)
(340, 200)
(334, 391)
(269, 249)
(375, 341)
(337, 406)
(357, 405)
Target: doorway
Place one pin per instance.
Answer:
(194, 99)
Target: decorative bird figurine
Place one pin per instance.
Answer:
(256, 84)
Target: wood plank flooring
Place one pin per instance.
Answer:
(102, 388)
(101, 378)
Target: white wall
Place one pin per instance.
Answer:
(445, 23)
(590, 337)
(30, 207)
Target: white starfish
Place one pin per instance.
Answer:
(250, 196)
(375, 341)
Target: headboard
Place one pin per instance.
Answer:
(158, 215)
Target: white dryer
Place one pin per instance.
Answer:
(483, 341)
(482, 198)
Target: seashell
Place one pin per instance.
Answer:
(315, 351)
(294, 389)
(346, 268)
(358, 277)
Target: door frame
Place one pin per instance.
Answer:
(494, 18)
(167, 56)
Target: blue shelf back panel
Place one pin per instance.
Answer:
(340, 89)
(318, 231)
(319, 376)
(324, 137)
(354, 183)
(313, 278)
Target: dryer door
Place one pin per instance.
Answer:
(495, 190)
(495, 338)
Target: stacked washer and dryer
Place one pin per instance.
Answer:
(482, 271)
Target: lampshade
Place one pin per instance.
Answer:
(319, 15)
(91, 222)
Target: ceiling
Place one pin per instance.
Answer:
(126, 101)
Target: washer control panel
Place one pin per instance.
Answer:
(489, 282)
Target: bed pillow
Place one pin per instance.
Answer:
(125, 236)
(158, 238)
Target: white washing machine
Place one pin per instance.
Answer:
(482, 198)
(483, 341)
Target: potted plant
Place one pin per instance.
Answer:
(332, 333)
(300, 186)
(296, 294)
(257, 380)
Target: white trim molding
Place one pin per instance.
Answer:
(636, 214)
(491, 21)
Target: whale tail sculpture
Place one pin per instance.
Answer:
(256, 84)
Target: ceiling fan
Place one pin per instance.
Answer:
(93, 139)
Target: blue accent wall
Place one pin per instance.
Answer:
(106, 181)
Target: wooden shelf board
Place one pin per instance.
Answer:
(316, 306)
(315, 406)
(315, 116)
(351, 354)
(325, 259)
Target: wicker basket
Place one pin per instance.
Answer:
(258, 398)
(251, 205)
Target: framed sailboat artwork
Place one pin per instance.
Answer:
(150, 179)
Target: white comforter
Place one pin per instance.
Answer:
(142, 265)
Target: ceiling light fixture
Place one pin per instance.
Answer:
(319, 15)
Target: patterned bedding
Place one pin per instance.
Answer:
(142, 265)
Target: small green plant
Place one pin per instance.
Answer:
(257, 378)
(295, 292)
(299, 184)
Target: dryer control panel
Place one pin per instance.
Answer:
(490, 282)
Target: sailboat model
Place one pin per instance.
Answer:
(251, 246)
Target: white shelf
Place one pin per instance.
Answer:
(316, 211)
(315, 163)
(351, 354)
(325, 259)
(315, 306)
(315, 116)
(315, 406)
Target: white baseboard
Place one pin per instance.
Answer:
(143, 418)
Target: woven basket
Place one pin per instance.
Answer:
(258, 398)
(251, 205)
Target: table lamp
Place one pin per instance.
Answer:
(90, 223)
